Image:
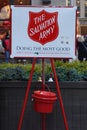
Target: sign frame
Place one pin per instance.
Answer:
(63, 46)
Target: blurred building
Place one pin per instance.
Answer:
(81, 9)
(81, 13)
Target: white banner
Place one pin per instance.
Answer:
(47, 32)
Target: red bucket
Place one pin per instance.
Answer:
(44, 101)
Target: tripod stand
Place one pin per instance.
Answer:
(43, 81)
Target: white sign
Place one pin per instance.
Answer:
(47, 32)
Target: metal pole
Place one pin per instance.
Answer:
(43, 75)
(26, 95)
(43, 88)
(59, 95)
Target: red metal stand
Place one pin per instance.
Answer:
(59, 95)
(26, 95)
(43, 88)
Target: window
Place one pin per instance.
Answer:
(85, 8)
(22, 2)
(68, 2)
(78, 7)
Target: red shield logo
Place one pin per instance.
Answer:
(43, 26)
